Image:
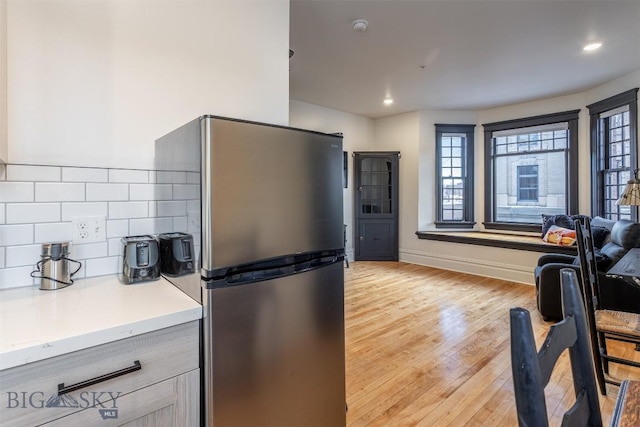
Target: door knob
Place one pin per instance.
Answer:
(361, 237)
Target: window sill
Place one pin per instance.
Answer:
(497, 240)
(455, 224)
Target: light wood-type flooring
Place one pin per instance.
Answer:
(429, 347)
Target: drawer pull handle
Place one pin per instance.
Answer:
(73, 387)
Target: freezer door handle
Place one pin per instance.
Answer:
(272, 268)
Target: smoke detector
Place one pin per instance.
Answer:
(360, 25)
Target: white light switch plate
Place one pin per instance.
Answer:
(89, 229)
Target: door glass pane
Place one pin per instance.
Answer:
(375, 179)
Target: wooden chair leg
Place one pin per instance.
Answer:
(626, 411)
(598, 363)
(603, 352)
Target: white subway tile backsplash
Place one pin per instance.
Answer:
(150, 192)
(80, 274)
(128, 175)
(122, 210)
(77, 209)
(193, 178)
(170, 177)
(153, 209)
(107, 192)
(18, 256)
(115, 247)
(71, 174)
(193, 206)
(180, 223)
(142, 226)
(150, 226)
(185, 191)
(177, 208)
(16, 234)
(163, 225)
(16, 277)
(89, 250)
(38, 203)
(117, 228)
(32, 173)
(53, 232)
(101, 266)
(23, 213)
(59, 192)
(16, 191)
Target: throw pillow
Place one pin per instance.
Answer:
(564, 221)
(600, 235)
(560, 236)
(598, 221)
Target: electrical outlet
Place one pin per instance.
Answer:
(89, 229)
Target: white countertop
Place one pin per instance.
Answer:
(36, 325)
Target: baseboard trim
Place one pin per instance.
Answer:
(510, 272)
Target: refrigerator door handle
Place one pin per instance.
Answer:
(273, 268)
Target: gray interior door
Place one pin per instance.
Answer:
(376, 206)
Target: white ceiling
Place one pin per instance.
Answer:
(476, 54)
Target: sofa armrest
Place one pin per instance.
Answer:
(555, 259)
(548, 294)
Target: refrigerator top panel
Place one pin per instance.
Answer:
(265, 190)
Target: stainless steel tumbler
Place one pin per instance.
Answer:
(54, 267)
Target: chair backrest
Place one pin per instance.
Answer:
(588, 265)
(532, 369)
(591, 293)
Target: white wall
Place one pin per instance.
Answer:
(426, 159)
(614, 87)
(358, 135)
(94, 83)
(402, 133)
(3, 81)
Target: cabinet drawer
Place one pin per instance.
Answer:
(170, 403)
(29, 393)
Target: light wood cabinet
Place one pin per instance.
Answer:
(173, 402)
(111, 388)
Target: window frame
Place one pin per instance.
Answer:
(571, 117)
(468, 171)
(598, 157)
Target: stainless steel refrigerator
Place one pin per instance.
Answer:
(271, 281)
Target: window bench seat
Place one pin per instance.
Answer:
(498, 240)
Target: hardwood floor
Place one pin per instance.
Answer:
(429, 347)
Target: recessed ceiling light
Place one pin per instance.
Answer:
(387, 101)
(360, 25)
(592, 46)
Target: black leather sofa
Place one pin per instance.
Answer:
(616, 294)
